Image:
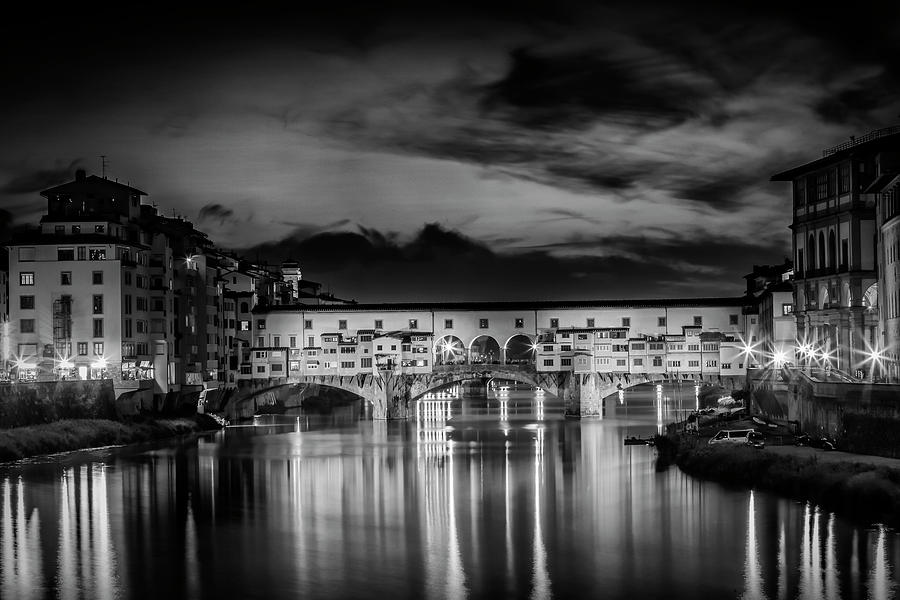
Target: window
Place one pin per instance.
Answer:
(379, 324)
(342, 324)
(141, 303)
(413, 323)
(732, 319)
(260, 341)
(365, 363)
(98, 327)
(276, 341)
(310, 341)
(565, 348)
(657, 361)
(711, 363)
(26, 254)
(660, 321)
(821, 186)
(98, 348)
(548, 362)
(626, 321)
(99, 228)
(554, 323)
(482, 323)
(698, 321)
(693, 347)
(845, 178)
(260, 368)
(128, 328)
(97, 254)
(26, 278)
(260, 323)
(97, 277)
(348, 364)
(65, 254)
(590, 322)
(637, 346)
(127, 277)
(638, 362)
(674, 363)
(620, 362)
(292, 341)
(26, 325)
(76, 229)
(520, 323)
(98, 304)
(448, 323)
(65, 278)
(726, 365)
(82, 348)
(126, 308)
(787, 309)
(81, 252)
(141, 326)
(693, 363)
(565, 362)
(26, 302)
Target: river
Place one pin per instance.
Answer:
(498, 498)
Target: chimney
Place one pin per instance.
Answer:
(80, 175)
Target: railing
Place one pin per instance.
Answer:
(855, 141)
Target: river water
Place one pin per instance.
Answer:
(503, 498)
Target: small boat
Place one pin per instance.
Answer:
(636, 441)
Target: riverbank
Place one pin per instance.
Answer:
(77, 434)
(858, 489)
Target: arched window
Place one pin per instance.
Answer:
(821, 250)
(832, 251)
(811, 253)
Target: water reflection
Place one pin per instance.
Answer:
(464, 501)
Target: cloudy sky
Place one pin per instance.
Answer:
(464, 151)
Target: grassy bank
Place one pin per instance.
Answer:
(75, 434)
(858, 491)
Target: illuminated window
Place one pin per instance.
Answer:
(448, 323)
(413, 323)
(554, 323)
(482, 323)
(98, 348)
(626, 321)
(26, 278)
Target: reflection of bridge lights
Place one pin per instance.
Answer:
(621, 396)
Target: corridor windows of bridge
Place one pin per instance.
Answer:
(342, 323)
(693, 347)
(626, 321)
(413, 323)
(482, 323)
(565, 362)
(554, 323)
(591, 322)
(732, 319)
(657, 361)
(565, 348)
(693, 363)
(712, 363)
(448, 323)
(638, 362)
(307, 324)
(548, 348)
(660, 321)
(548, 362)
(379, 324)
(621, 362)
(726, 366)
(674, 363)
(520, 323)
(698, 321)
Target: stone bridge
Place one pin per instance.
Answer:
(391, 394)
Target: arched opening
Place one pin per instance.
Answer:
(846, 297)
(810, 253)
(832, 252)
(519, 350)
(484, 350)
(449, 350)
(822, 263)
(870, 298)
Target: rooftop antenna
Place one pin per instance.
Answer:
(103, 165)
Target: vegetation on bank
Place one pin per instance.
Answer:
(858, 491)
(77, 434)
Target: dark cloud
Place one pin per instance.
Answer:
(216, 212)
(441, 264)
(41, 179)
(860, 97)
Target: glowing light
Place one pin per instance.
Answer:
(65, 364)
(779, 358)
(100, 363)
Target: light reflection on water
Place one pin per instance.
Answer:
(502, 498)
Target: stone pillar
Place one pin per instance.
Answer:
(582, 395)
(390, 400)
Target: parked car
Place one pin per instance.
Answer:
(756, 439)
(732, 436)
(822, 443)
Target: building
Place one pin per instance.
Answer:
(110, 288)
(839, 250)
(770, 293)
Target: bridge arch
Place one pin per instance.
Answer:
(519, 349)
(484, 350)
(450, 350)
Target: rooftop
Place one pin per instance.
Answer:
(887, 138)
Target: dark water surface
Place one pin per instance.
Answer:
(469, 500)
